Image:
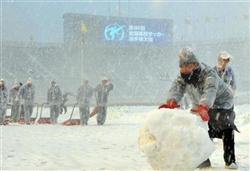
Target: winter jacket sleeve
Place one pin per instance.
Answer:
(110, 87)
(232, 81)
(4, 96)
(211, 84)
(59, 95)
(177, 89)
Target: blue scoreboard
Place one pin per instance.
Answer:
(137, 30)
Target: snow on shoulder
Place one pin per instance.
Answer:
(174, 139)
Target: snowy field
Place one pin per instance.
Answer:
(113, 146)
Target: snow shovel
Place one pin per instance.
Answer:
(94, 112)
(32, 120)
(8, 118)
(43, 120)
(71, 121)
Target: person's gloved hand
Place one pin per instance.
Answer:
(171, 104)
(202, 111)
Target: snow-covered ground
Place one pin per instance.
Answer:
(113, 146)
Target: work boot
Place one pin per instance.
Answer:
(232, 166)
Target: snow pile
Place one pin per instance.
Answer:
(113, 146)
(174, 140)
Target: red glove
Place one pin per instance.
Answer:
(202, 110)
(171, 104)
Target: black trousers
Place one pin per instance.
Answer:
(227, 137)
(221, 125)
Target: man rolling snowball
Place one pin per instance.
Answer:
(211, 98)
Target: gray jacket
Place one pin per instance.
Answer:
(84, 94)
(227, 76)
(210, 90)
(27, 94)
(3, 98)
(13, 96)
(54, 96)
(102, 92)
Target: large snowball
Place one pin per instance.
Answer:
(174, 140)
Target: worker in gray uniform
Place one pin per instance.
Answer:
(211, 98)
(54, 100)
(15, 102)
(83, 97)
(3, 101)
(102, 91)
(225, 70)
(27, 97)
